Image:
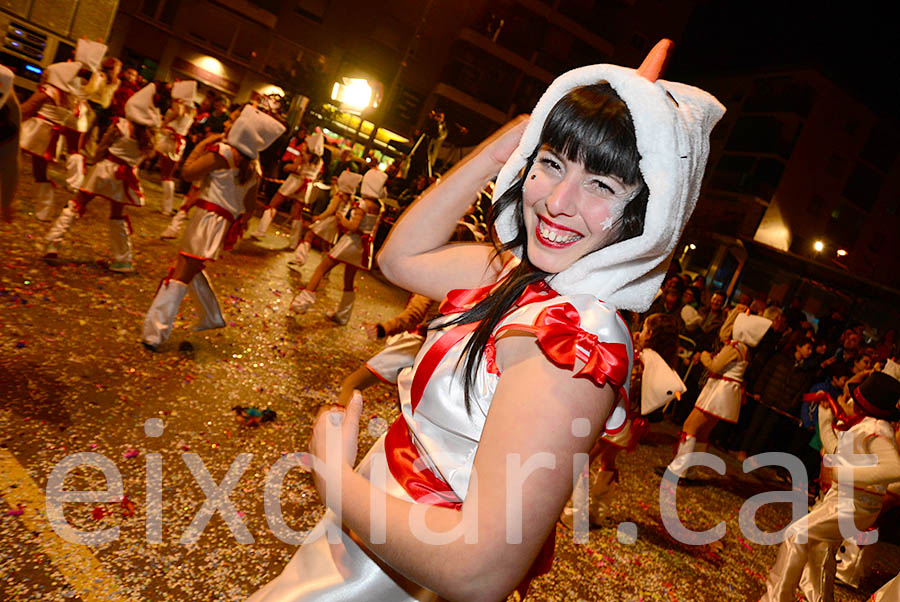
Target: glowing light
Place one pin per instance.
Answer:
(692, 246)
(270, 89)
(210, 64)
(818, 246)
(34, 69)
(354, 93)
(841, 252)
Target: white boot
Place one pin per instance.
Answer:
(302, 301)
(204, 297)
(120, 245)
(75, 171)
(173, 230)
(43, 201)
(168, 197)
(59, 229)
(678, 465)
(601, 496)
(161, 316)
(342, 314)
(296, 229)
(264, 222)
(300, 255)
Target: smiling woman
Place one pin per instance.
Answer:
(521, 374)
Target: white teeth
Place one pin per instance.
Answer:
(554, 236)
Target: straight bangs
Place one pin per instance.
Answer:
(592, 126)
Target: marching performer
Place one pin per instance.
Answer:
(125, 145)
(326, 226)
(354, 249)
(44, 116)
(10, 126)
(171, 140)
(303, 171)
(723, 394)
(228, 175)
(90, 55)
(864, 413)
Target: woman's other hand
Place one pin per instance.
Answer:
(333, 442)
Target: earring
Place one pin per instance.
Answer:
(533, 176)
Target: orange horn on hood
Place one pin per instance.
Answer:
(655, 63)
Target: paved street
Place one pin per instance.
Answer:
(74, 378)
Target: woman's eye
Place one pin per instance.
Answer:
(550, 162)
(602, 186)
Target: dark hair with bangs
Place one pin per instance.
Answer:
(590, 125)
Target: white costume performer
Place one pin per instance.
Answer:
(89, 54)
(170, 142)
(326, 226)
(724, 391)
(723, 394)
(115, 179)
(434, 430)
(40, 132)
(297, 187)
(810, 543)
(213, 217)
(354, 249)
(357, 248)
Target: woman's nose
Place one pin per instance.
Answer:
(562, 198)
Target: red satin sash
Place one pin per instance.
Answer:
(127, 173)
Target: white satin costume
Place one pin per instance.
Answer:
(435, 428)
(357, 248)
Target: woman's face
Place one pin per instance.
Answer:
(862, 363)
(569, 211)
(643, 336)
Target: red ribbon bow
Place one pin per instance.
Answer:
(560, 335)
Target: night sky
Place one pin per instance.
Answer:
(857, 49)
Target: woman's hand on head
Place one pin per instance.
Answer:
(334, 437)
(501, 144)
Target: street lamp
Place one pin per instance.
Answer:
(819, 246)
(354, 93)
(841, 252)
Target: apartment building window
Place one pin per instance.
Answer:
(780, 95)
(764, 134)
(863, 186)
(313, 10)
(882, 146)
(844, 227)
(756, 176)
(216, 28)
(522, 31)
(251, 42)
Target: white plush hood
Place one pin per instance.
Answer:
(373, 184)
(61, 76)
(184, 91)
(253, 131)
(90, 54)
(140, 108)
(673, 141)
(348, 182)
(7, 77)
(750, 329)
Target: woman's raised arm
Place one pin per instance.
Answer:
(522, 477)
(417, 255)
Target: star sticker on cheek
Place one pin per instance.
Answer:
(607, 224)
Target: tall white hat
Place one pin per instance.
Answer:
(7, 77)
(373, 184)
(140, 108)
(672, 122)
(253, 131)
(348, 181)
(90, 54)
(184, 91)
(750, 329)
(60, 75)
(315, 143)
(659, 383)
